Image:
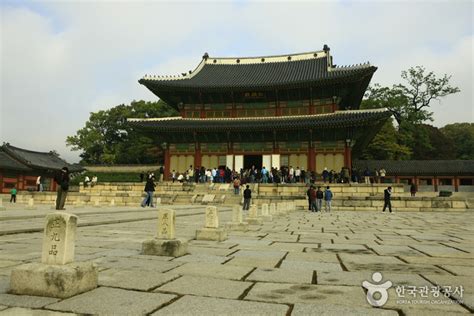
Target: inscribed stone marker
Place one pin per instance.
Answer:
(265, 209)
(59, 238)
(253, 212)
(166, 224)
(212, 218)
(237, 214)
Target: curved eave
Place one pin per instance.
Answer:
(188, 85)
(342, 119)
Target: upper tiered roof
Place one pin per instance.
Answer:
(237, 73)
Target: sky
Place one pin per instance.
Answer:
(61, 60)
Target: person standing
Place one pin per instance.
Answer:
(312, 196)
(236, 186)
(297, 174)
(247, 198)
(162, 173)
(413, 189)
(367, 175)
(319, 200)
(39, 185)
(264, 175)
(308, 194)
(328, 199)
(387, 196)
(382, 173)
(62, 180)
(173, 175)
(325, 174)
(149, 189)
(13, 195)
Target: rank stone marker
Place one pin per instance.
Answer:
(265, 213)
(31, 204)
(57, 275)
(2, 208)
(237, 223)
(211, 231)
(112, 203)
(273, 209)
(165, 244)
(253, 218)
(97, 203)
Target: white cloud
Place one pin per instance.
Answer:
(68, 59)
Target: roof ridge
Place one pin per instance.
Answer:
(207, 60)
(7, 146)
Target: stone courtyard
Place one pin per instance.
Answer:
(298, 264)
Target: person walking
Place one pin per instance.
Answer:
(387, 196)
(367, 176)
(247, 198)
(328, 199)
(149, 189)
(319, 200)
(13, 195)
(62, 180)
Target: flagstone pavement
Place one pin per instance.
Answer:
(298, 264)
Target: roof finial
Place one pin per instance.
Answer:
(326, 48)
(205, 56)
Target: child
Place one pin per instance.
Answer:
(13, 195)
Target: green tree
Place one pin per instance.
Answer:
(385, 145)
(429, 143)
(410, 101)
(462, 137)
(106, 137)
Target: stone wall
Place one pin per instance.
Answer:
(347, 197)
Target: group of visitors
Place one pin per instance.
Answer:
(88, 182)
(315, 198)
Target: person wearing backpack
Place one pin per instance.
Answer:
(319, 200)
(328, 199)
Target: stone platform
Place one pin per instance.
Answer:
(300, 264)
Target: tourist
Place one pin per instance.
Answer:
(190, 174)
(62, 180)
(214, 175)
(328, 199)
(180, 178)
(264, 175)
(149, 189)
(209, 176)
(308, 194)
(387, 195)
(162, 173)
(247, 197)
(313, 196)
(367, 175)
(325, 174)
(94, 180)
(376, 176)
(13, 195)
(87, 181)
(291, 174)
(382, 173)
(236, 186)
(413, 189)
(39, 185)
(319, 199)
(173, 175)
(297, 174)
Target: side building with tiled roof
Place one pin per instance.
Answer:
(20, 168)
(428, 175)
(296, 110)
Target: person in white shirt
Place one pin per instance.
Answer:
(297, 174)
(39, 185)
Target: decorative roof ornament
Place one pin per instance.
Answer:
(326, 48)
(205, 56)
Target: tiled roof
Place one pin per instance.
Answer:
(35, 159)
(260, 72)
(418, 167)
(7, 162)
(333, 120)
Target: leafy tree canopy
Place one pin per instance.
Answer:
(106, 137)
(462, 136)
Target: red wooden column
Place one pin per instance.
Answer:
(197, 156)
(435, 183)
(456, 184)
(167, 170)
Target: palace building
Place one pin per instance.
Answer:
(297, 110)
